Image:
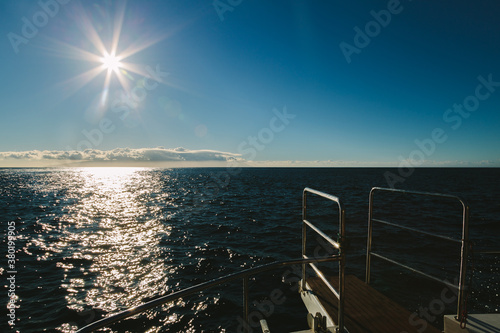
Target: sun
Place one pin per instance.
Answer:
(111, 59)
(111, 62)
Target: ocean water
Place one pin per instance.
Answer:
(94, 241)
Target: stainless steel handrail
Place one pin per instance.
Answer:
(418, 231)
(337, 244)
(464, 242)
(200, 287)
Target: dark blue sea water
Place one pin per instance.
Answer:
(94, 241)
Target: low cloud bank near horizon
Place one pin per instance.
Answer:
(182, 157)
(159, 154)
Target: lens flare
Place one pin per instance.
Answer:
(110, 58)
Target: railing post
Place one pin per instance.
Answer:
(341, 267)
(369, 238)
(245, 303)
(304, 235)
(463, 263)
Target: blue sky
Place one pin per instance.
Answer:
(289, 83)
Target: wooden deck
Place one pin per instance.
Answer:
(367, 310)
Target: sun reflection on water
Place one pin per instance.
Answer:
(117, 262)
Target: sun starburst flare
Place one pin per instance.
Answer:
(109, 59)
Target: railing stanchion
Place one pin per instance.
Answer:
(463, 264)
(369, 238)
(341, 269)
(304, 235)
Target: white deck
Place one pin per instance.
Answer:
(476, 323)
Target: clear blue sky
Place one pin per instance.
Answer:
(296, 76)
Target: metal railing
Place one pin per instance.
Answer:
(336, 244)
(463, 241)
(245, 274)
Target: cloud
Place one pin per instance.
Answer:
(119, 155)
(182, 157)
